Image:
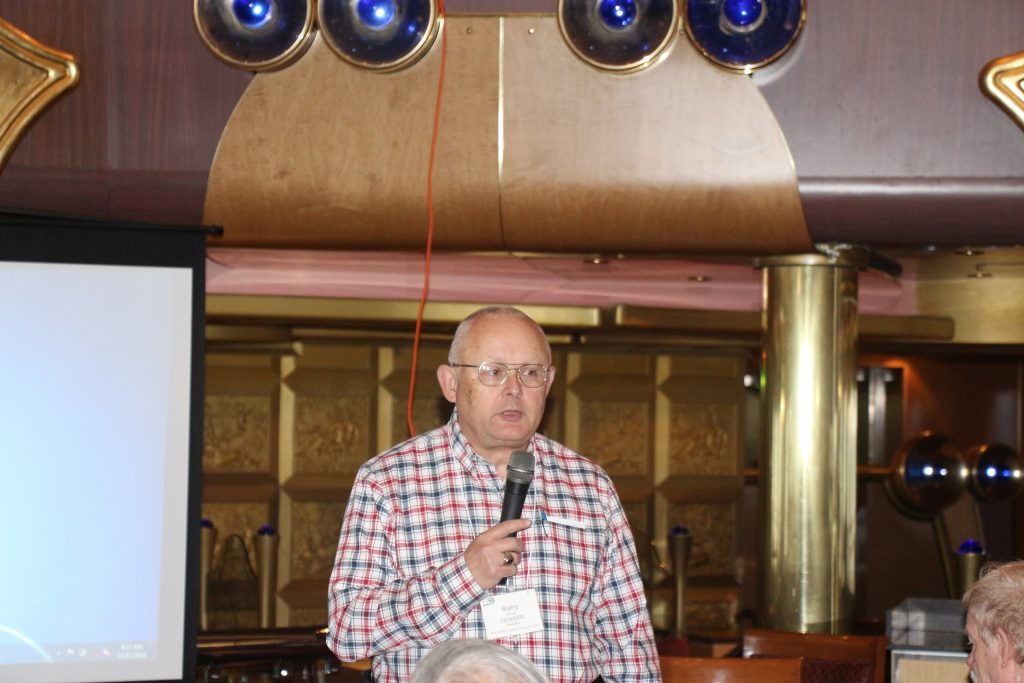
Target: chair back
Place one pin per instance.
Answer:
(729, 670)
(827, 658)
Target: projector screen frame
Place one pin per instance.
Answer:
(42, 238)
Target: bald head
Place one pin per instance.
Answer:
(463, 331)
(501, 414)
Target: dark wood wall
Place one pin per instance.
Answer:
(972, 399)
(136, 137)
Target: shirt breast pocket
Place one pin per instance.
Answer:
(577, 552)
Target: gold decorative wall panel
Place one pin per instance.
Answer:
(233, 587)
(615, 433)
(242, 391)
(331, 392)
(698, 464)
(241, 489)
(713, 528)
(241, 518)
(236, 435)
(609, 410)
(698, 436)
(331, 433)
(286, 432)
(314, 530)
(429, 407)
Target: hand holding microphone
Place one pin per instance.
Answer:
(486, 555)
(494, 555)
(517, 483)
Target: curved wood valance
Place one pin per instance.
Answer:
(536, 151)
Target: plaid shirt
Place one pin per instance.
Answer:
(400, 584)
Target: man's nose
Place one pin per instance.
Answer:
(512, 383)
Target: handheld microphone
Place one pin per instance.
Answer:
(517, 483)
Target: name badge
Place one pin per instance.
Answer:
(511, 614)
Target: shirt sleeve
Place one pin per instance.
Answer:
(624, 631)
(372, 606)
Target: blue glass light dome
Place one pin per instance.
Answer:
(742, 14)
(617, 14)
(744, 34)
(970, 547)
(379, 34)
(255, 35)
(376, 14)
(253, 14)
(618, 35)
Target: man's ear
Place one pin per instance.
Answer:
(551, 380)
(446, 378)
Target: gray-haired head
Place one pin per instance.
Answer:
(462, 331)
(475, 661)
(995, 602)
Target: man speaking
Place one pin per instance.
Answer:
(423, 557)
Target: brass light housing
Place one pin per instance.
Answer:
(274, 44)
(380, 48)
(996, 471)
(638, 41)
(928, 474)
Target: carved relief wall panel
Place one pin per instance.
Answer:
(286, 432)
(327, 430)
(240, 482)
(699, 476)
(609, 417)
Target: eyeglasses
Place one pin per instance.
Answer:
(495, 374)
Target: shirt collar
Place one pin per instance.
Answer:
(470, 459)
(463, 452)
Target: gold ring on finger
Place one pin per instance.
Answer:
(508, 558)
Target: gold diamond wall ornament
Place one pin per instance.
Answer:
(1002, 80)
(32, 75)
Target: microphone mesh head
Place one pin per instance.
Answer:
(520, 467)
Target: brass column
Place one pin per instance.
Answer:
(809, 447)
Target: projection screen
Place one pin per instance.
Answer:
(101, 355)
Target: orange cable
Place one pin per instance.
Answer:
(430, 221)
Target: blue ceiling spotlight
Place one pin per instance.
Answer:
(617, 14)
(376, 15)
(255, 35)
(253, 14)
(618, 35)
(744, 35)
(740, 16)
(385, 35)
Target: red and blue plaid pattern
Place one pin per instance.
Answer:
(400, 584)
